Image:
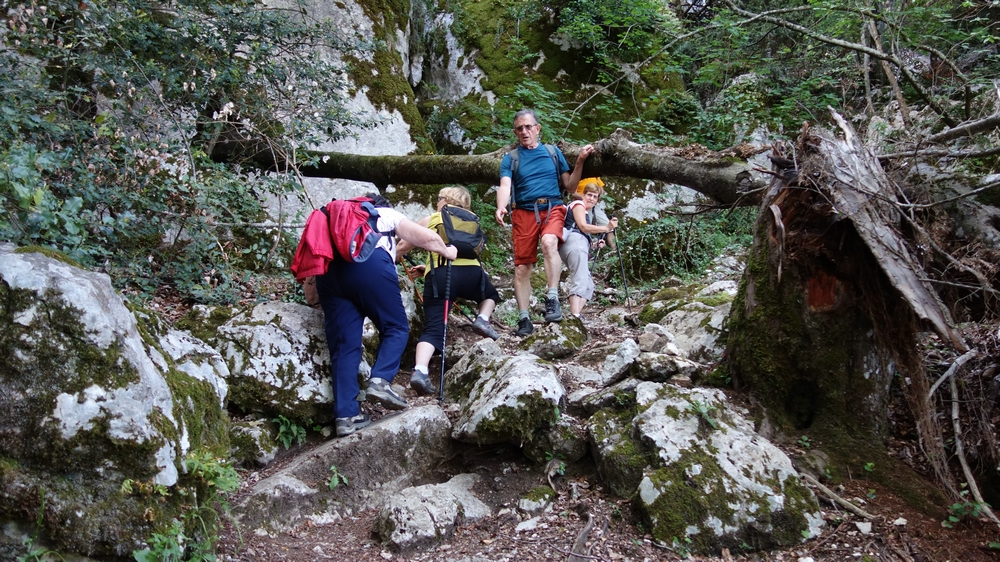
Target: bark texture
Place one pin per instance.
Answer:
(725, 176)
(832, 301)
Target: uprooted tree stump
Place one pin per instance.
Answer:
(831, 304)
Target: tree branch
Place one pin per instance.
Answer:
(857, 47)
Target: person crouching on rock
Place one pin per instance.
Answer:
(577, 243)
(468, 281)
(349, 292)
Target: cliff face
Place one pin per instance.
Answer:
(447, 79)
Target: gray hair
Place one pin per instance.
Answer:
(525, 113)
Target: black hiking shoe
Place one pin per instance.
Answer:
(379, 390)
(525, 327)
(347, 426)
(553, 312)
(483, 328)
(421, 383)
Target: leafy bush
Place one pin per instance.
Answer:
(114, 117)
(683, 245)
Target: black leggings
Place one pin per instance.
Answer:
(468, 282)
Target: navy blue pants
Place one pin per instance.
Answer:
(349, 292)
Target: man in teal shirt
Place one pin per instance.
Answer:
(538, 212)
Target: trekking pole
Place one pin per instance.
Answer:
(618, 246)
(444, 335)
(597, 253)
(412, 263)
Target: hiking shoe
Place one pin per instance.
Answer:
(381, 391)
(525, 327)
(347, 426)
(483, 328)
(553, 312)
(421, 383)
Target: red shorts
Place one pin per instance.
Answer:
(528, 231)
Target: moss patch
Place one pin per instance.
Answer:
(518, 424)
(203, 323)
(49, 253)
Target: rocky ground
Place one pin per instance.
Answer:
(588, 520)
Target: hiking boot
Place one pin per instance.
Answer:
(421, 383)
(379, 390)
(553, 312)
(347, 426)
(525, 327)
(483, 328)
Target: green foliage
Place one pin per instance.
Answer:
(33, 552)
(617, 32)
(289, 431)
(704, 412)
(112, 115)
(556, 468)
(683, 245)
(209, 481)
(164, 547)
(964, 511)
(804, 442)
(681, 547)
(336, 478)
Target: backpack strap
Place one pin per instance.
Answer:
(515, 160)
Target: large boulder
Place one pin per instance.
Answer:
(699, 474)
(93, 399)
(347, 474)
(279, 362)
(509, 400)
(618, 364)
(697, 323)
(556, 340)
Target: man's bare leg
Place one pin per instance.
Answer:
(553, 263)
(522, 285)
(553, 269)
(522, 294)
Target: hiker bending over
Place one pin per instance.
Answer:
(577, 243)
(468, 281)
(351, 291)
(530, 174)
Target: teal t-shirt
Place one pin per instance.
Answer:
(536, 178)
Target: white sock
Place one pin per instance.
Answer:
(421, 368)
(485, 319)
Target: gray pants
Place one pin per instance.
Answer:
(574, 252)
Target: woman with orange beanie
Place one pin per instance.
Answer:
(575, 249)
(598, 214)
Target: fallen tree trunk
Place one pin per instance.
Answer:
(724, 177)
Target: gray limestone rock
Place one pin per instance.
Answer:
(616, 366)
(703, 460)
(425, 515)
(377, 462)
(556, 340)
(660, 367)
(509, 401)
(280, 363)
(95, 396)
